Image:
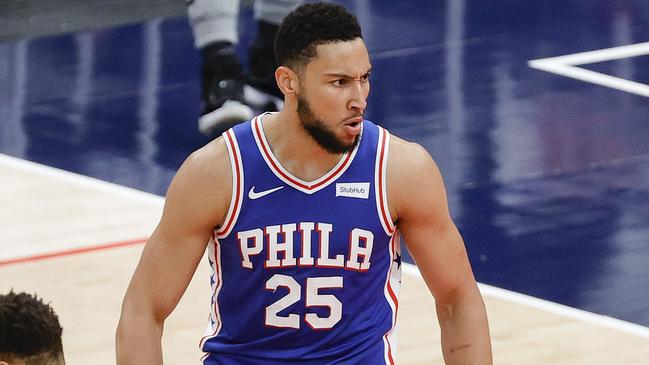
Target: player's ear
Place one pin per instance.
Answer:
(286, 80)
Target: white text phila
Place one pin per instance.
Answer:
(280, 240)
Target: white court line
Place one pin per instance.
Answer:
(408, 269)
(83, 180)
(551, 307)
(601, 55)
(566, 66)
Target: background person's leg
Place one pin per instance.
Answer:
(268, 14)
(214, 25)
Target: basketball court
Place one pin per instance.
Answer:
(537, 115)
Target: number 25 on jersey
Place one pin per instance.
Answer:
(313, 299)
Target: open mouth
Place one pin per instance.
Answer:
(353, 126)
(354, 122)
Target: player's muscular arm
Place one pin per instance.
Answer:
(196, 202)
(437, 247)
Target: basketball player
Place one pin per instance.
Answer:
(301, 212)
(30, 332)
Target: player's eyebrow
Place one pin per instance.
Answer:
(346, 76)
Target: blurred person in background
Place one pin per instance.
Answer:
(30, 333)
(228, 93)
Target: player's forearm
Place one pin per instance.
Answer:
(465, 331)
(138, 340)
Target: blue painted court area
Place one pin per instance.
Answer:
(548, 176)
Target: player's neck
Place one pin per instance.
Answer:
(295, 149)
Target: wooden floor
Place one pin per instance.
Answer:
(94, 233)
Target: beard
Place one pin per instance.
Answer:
(319, 131)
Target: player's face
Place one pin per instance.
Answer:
(333, 94)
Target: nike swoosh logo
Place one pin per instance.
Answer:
(252, 194)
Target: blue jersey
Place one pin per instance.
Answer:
(304, 272)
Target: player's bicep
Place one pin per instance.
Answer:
(428, 230)
(195, 204)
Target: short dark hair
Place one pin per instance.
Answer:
(29, 329)
(309, 26)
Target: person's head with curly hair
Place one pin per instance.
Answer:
(309, 26)
(30, 332)
(323, 73)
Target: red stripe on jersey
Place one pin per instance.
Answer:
(217, 287)
(393, 296)
(237, 186)
(390, 290)
(217, 279)
(270, 158)
(389, 350)
(386, 219)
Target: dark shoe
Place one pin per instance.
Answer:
(222, 95)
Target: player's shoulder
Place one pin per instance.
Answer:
(408, 155)
(413, 178)
(410, 167)
(201, 190)
(207, 168)
(211, 158)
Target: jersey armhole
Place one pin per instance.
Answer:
(380, 181)
(237, 185)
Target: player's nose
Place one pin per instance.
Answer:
(358, 98)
